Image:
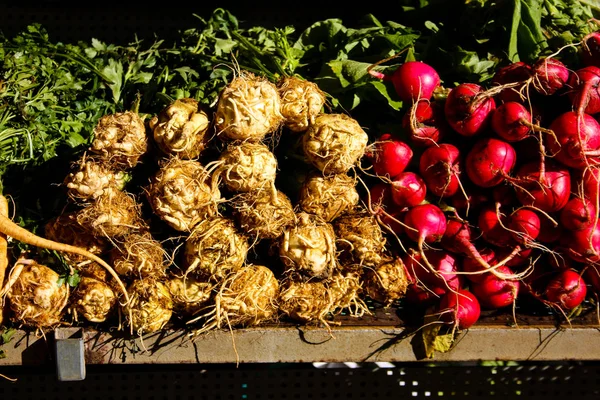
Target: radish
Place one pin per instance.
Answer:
(427, 285)
(426, 123)
(489, 161)
(583, 91)
(515, 260)
(583, 245)
(457, 239)
(534, 285)
(474, 200)
(389, 156)
(589, 179)
(578, 214)
(413, 80)
(440, 167)
(590, 50)
(494, 293)
(524, 225)
(408, 190)
(468, 109)
(567, 289)
(425, 224)
(492, 224)
(592, 276)
(549, 76)
(513, 73)
(473, 266)
(548, 190)
(550, 231)
(512, 121)
(460, 308)
(576, 143)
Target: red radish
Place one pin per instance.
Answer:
(567, 289)
(494, 293)
(583, 245)
(492, 224)
(413, 80)
(534, 284)
(475, 200)
(550, 231)
(457, 239)
(461, 309)
(516, 260)
(590, 51)
(589, 182)
(389, 156)
(512, 73)
(428, 223)
(577, 141)
(489, 162)
(457, 236)
(512, 121)
(440, 166)
(468, 109)
(592, 276)
(549, 76)
(524, 225)
(408, 189)
(547, 190)
(425, 223)
(428, 285)
(425, 122)
(583, 90)
(471, 264)
(578, 214)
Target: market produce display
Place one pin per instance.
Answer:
(245, 177)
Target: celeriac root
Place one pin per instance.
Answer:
(9, 228)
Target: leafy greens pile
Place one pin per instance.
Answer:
(53, 93)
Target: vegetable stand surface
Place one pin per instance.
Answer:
(390, 334)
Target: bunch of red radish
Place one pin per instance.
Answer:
(493, 190)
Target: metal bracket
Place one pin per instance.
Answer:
(70, 355)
